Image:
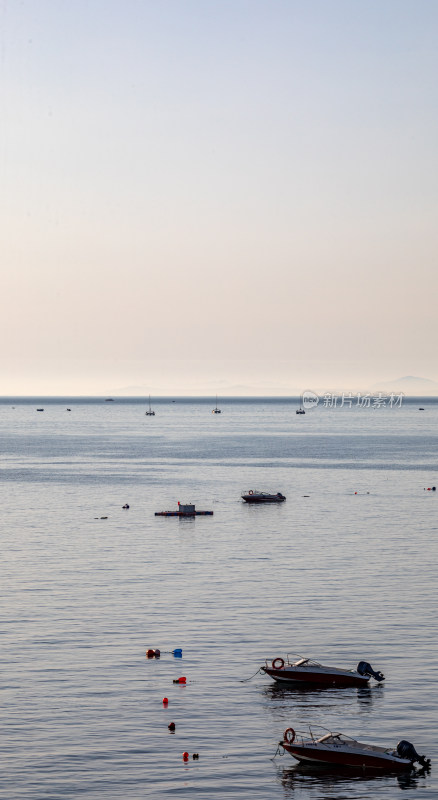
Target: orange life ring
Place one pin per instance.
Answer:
(275, 665)
(250, 491)
(289, 735)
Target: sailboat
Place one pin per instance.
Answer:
(216, 410)
(150, 413)
(300, 410)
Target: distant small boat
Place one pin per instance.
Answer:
(300, 410)
(184, 510)
(216, 410)
(336, 749)
(109, 400)
(421, 409)
(40, 409)
(305, 671)
(150, 413)
(253, 496)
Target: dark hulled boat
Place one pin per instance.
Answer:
(305, 671)
(338, 750)
(253, 496)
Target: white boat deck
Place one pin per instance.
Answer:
(339, 740)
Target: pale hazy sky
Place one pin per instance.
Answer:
(199, 195)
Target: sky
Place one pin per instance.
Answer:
(201, 196)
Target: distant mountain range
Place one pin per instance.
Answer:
(410, 385)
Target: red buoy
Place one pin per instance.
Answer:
(182, 680)
(165, 701)
(171, 726)
(185, 756)
(150, 653)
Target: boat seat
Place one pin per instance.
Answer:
(326, 737)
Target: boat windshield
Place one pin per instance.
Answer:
(338, 738)
(295, 660)
(329, 736)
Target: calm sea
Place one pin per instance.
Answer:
(343, 571)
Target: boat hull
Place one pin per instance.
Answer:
(346, 757)
(184, 513)
(318, 677)
(268, 499)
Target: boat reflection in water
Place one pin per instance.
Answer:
(328, 782)
(318, 696)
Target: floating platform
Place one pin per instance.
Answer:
(187, 510)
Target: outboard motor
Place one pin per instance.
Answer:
(407, 750)
(363, 668)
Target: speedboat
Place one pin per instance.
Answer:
(336, 749)
(305, 671)
(253, 496)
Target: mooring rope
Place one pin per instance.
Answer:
(244, 680)
(278, 751)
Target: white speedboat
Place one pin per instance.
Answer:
(336, 749)
(305, 671)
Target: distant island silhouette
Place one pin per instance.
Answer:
(409, 384)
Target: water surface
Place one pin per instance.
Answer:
(331, 574)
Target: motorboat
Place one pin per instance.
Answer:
(336, 749)
(254, 496)
(300, 410)
(306, 671)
